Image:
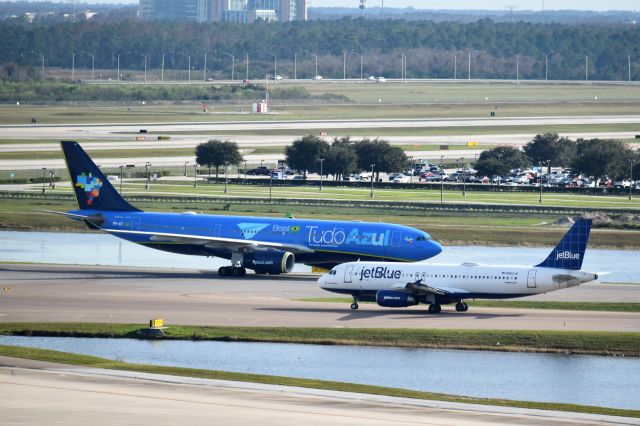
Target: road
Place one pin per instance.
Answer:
(135, 295)
(39, 393)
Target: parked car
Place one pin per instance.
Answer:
(392, 176)
(278, 175)
(401, 179)
(276, 77)
(317, 77)
(260, 171)
(298, 177)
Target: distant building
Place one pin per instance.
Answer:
(223, 10)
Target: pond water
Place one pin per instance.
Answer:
(577, 379)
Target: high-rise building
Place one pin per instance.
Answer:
(223, 10)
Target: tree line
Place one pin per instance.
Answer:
(594, 158)
(429, 47)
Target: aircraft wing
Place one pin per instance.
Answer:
(418, 288)
(215, 242)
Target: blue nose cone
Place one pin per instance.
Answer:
(433, 249)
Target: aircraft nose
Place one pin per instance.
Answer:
(434, 248)
(322, 280)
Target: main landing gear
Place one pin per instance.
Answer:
(354, 305)
(232, 271)
(462, 307)
(434, 308)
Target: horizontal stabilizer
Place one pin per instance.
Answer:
(95, 219)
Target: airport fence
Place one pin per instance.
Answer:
(370, 204)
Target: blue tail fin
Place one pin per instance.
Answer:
(569, 252)
(93, 191)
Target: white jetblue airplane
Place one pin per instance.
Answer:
(396, 285)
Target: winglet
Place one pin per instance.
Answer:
(569, 252)
(93, 190)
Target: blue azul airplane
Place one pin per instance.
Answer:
(265, 245)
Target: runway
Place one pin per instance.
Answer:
(34, 293)
(114, 136)
(36, 393)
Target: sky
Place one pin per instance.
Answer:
(599, 5)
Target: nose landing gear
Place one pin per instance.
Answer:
(354, 305)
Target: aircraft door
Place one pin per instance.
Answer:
(348, 271)
(135, 224)
(216, 230)
(396, 238)
(531, 279)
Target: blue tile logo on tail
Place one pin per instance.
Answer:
(569, 252)
(91, 186)
(250, 230)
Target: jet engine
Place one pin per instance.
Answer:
(394, 299)
(269, 262)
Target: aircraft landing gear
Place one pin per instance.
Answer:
(233, 271)
(434, 309)
(462, 307)
(354, 305)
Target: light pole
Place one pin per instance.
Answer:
(44, 172)
(546, 67)
(357, 55)
(411, 165)
(195, 175)
(226, 166)
(295, 65)
(73, 66)
(246, 74)
(464, 178)
(586, 68)
(233, 64)
(630, 178)
(245, 172)
(185, 168)
(93, 64)
(321, 161)
(344, 65)
(270, 187)
(121, 169)
(541, 174)
(441, 180)
(204, 68)
(455, 67)
(316, 58)
(147, 167)
(145, 65)
(517, 69)
(118, 75)
(275, 64)
(52, 175)
(189, 64)
(371, 194)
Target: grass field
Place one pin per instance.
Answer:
(393, 100)
(95, 362)
(593, 342)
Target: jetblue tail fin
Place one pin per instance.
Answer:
(93, 191)
(569, 252)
